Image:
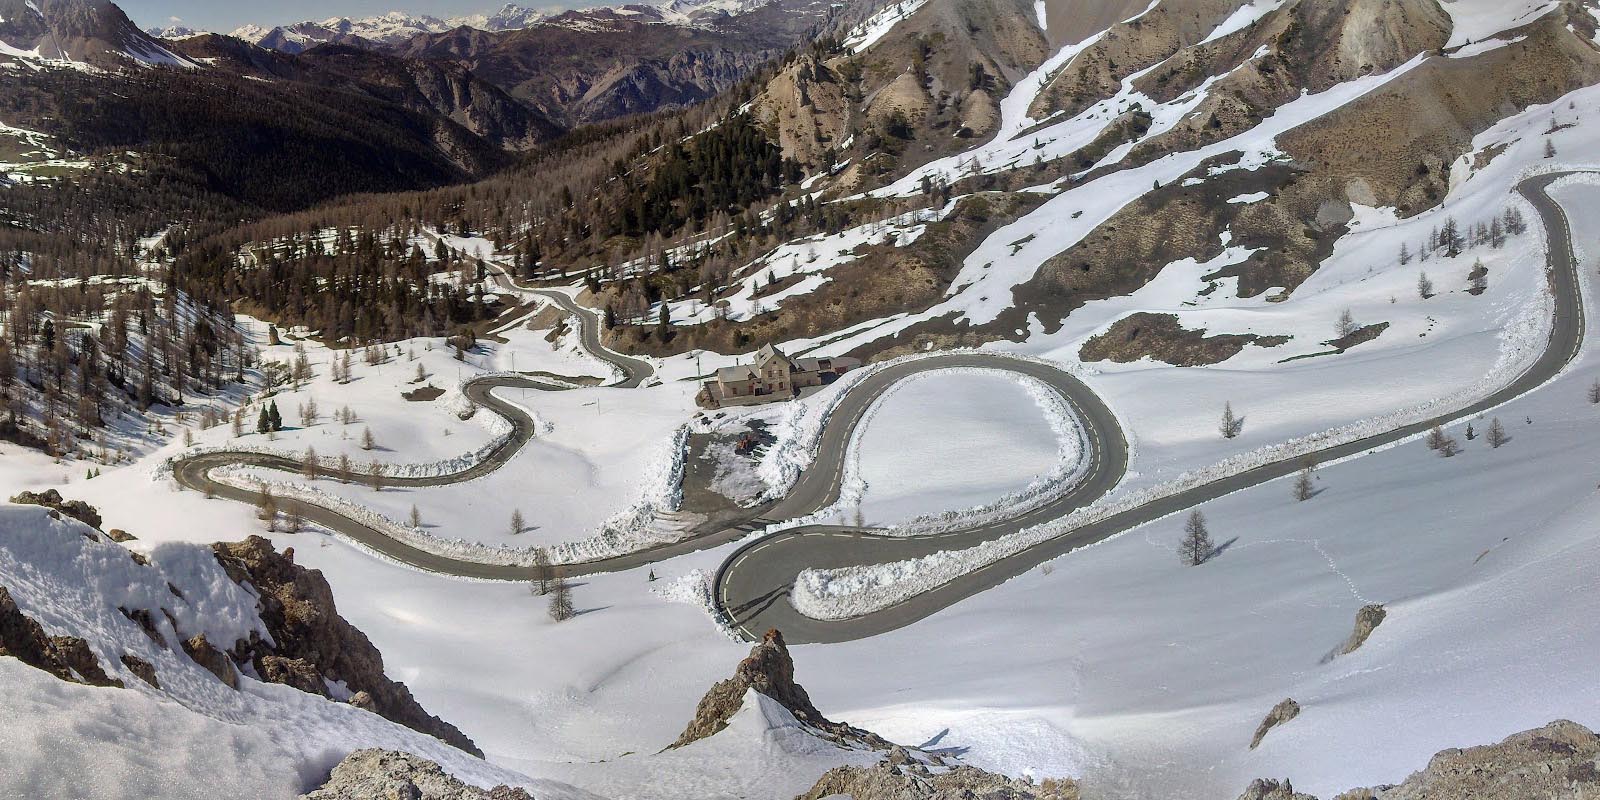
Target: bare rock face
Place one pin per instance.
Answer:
(768, 670)
(1268, 789)
(371, 774)
(215, 661)
(1367, 620)
(314, 643)
(296, 672)
(142, 669)
(887, 780)
(66, 657)
(1284, 711)
(50, 498)
(1560, 761)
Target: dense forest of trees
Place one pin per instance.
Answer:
(358, 288)
(80, 355)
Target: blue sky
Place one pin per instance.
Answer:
(225, 15)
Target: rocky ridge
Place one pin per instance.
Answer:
(1560, 761)
(368, 774)
(312, 645)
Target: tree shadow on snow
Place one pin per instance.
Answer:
(932, 746)
(1221, 548)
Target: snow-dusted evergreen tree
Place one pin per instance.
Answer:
(516, 522)
(1232, 425)
(1424, 286)
(1594, 392)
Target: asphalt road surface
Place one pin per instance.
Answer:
(752, 587)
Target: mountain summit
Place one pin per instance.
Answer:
(89, 31)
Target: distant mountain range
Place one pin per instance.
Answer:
(397, 27)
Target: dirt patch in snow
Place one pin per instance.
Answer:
(1163, 338)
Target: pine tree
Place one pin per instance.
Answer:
(516, 522)
(1405, 255)
(293, 521)
(1424, 286)
(311, 464)
(273, 417)
(561, 608)
(1594, 392)
(416, 517)
(1231, 425)
(367, 442)
(1304, 489)
(1497, 434)
(267, 508)
(263, 422)
(1436, 438)
(1549, 149)
(1196, 545)
(1347, 324)
(344, 468)
(1449, 447)
(542, 571)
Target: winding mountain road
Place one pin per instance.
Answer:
(753, 584)
(752, 587)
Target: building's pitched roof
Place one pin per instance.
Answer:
(739, 373)
(767, 353)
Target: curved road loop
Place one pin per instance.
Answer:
(752, 587)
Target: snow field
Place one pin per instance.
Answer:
(960, 440)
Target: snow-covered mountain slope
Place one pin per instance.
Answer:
(395, 27)
(92, 32)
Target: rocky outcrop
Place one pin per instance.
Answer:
(1367, 620)
(141, 669)
(370, 774)
(314, 645)
(1268, 789)
(768, 670)
(1163, 337)
(66, 657)
(907, 779)
(215, 661)
(50, 498)
(1560, 761)
(1284, 711)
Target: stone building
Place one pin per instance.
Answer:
(772, 376)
